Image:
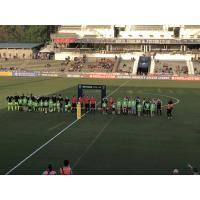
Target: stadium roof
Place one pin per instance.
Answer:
(19, 45)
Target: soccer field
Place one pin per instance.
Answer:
(100, 144)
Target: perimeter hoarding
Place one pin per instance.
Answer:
(6, 73)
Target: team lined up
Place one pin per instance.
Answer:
(135, 106)
(49, 104)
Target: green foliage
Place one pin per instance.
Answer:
(28, 33)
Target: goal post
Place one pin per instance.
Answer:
(82, 87)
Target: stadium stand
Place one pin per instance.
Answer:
(91, 64)
(196, 65)
(126, 66)
(171, 67)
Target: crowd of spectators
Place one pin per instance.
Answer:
(102, 64)
(77, 64)
(172, 70)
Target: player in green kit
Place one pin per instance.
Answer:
(16, 105)
(152, 109)
(30, 104)
(124, 106)
(50, 105)
(119, 104)
(58, 106)
(25, 100)
(129, 106)
(20, 103)
(147, 108)
(46, 105)
(9, 99)
(41, 105)
(35, 105)
(104, 107)
(113, 108)
(139, 109)
(133, 107)
(69, 106)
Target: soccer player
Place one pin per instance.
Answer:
(58, 105)
(41, 104)
(66, 169)
(69, 106)
(66, 103)
(119, 105)
(147, 108)
(93, 104)
(87, 103)
(133, 107)
(144, 106)
(169, 109)
(159, 107)
(20, 103)
(113, 108)
(35, 105)
(46, 105)
(54, 103)
(49, 170)
(104, 107)
(137, 100)
(139, 109)
(74, 102)
(9, 99)
(60, 98)
(124, 105)
(152, 109)
(29, 104)
(110, 102)
(25, 100)
(50, 105)
(80, 99)
(16, 105)
(129, 106)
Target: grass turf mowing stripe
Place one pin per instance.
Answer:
(41, 147)
(91, 144)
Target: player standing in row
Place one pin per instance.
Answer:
(170, 106)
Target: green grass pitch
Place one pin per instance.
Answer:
(101, 144)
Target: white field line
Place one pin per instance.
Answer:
(91, 144)
(106, 125)
(67, 127)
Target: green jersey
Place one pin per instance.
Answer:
(113, 105)
(129, 104)
(29, 102)
(104, 105)
(124, 103)
(35, 103)
(139, 107)
(46, 103)
(41, 103)
(58, 103)
(153, 107)
(133, 104)
(69, 104)
(50, 103)
(147, 106)
(119, 104)
(25, 101)
(20, 101)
